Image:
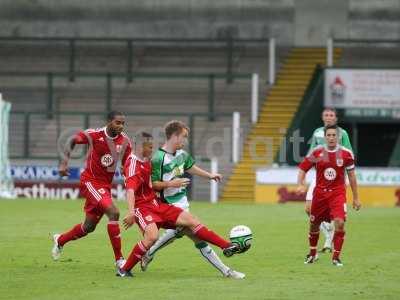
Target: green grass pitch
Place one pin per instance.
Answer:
(274, 265)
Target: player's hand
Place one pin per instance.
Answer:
(356, 204)
(215, 176)
(63, 169)
(129, 220)
(301, 189)
(179, 182)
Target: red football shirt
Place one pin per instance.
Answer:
(330, 166)
(103, 154)
(138, 177)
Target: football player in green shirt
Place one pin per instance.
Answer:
(169, 164)
(329, 117)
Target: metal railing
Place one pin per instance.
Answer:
(108, 91)
(332, 42)
(228, 44)
(86, 123)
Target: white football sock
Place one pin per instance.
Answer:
(167, 238)
(209, 255)
(327, 230)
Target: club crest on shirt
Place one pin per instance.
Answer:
(330, 174)
(339, 162)
(149, 218)
(107, 160)
(102, 191)
(178, 171)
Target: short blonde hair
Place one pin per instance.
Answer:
(174, 127)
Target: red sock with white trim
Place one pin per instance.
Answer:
(136, 255)
(338, 239)
(115, 238)
(313, 241)
(75, 233)
(204, 234)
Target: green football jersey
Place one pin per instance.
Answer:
(318, 138)
(168, 166)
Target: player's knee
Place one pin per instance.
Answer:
(89, 227)
(150, 238)
(314, 226)
(113, 214)
(191, 221)
(194, 223)
(339, 224)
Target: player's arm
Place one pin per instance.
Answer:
(127, 153)
(301, 184)
(175, 183)
(346, 140)
(305, 165)
(133, 181)
(195, 170)
(132, 184)
(129, 219)
(192, 169)
(79, 138)
(353, 184)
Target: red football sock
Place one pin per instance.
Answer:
(115, 239)
(75, 233)
(136, 255)
(338, 239)
(313, 241)
(203, 233)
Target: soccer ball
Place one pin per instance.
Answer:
(242, 236)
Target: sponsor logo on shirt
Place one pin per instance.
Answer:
(330, 174)
(107, 160)
(149, 218)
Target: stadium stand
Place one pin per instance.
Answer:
(88, 94)
(276, 116)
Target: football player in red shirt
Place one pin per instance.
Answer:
(107, 146)
(329, 197)
(151, 214)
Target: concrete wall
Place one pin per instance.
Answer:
(315, 21)
(375, 19)
(300, 22)
(148, 18)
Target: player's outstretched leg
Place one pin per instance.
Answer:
(114, 233)
(203, 233)
(338, 239)
(313, 237)
(211, 257)
(327, 228)
(76, 232)
(150, 237)
(167, 238)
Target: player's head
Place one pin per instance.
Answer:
(329, 116)
(115, 122)
(176, 133)
(331, 135)
(144, 144)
